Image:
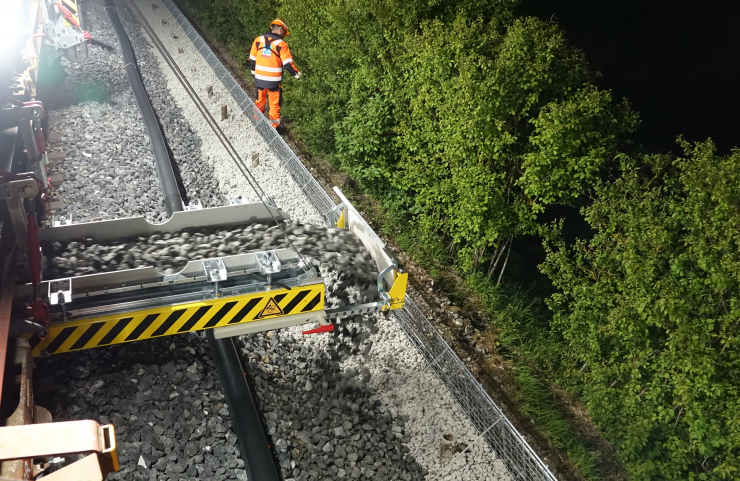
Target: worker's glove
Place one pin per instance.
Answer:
(298, 76)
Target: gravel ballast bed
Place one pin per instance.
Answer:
(109, 169)
(351, 406)
(171, 420)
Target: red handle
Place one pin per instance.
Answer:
(328, 328)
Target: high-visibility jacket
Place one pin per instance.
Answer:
(267, 59)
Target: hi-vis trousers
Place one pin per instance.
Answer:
(275, 96)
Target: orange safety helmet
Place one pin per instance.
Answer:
(280, 23)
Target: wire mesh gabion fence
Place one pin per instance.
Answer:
(488, 419)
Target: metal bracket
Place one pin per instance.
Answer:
(352, 310)
(58, 34)
(13, 193)
(269, 264)
(383, 294)
(60, 220)
(194, 205)
(215, 272)
(52, 439)
(30, 113)
(15, 464)
(60, 291)
(335, 215)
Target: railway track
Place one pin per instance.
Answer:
(356, 405)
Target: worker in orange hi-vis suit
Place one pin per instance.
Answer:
(269, 56)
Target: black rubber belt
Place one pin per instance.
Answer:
(255, 450)
(162, 162)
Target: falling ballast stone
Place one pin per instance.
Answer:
(169, 253)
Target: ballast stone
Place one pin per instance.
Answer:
(169, 253)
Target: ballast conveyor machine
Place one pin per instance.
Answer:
(234, 295)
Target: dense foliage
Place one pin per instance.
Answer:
(235, 23)
(650, 308)
(471, 123)
(467, 123)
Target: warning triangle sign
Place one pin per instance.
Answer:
(271, 309)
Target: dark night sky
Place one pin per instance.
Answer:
(677, 62)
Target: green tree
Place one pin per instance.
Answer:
(497, 125)
(456, 115)
(649, 310)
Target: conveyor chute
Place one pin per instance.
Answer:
(233, 294)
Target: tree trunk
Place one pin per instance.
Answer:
(503, 268)
(478, 256)
(496, 257)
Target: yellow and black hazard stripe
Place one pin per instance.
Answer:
(71, 5)
(168, 320)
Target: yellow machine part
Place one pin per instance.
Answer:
(163, 321)
(397, 292)
(341, 222)
(74, 10)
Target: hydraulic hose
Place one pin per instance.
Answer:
(162, 162)
(255, 450)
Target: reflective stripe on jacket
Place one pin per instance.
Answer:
(270, 54)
